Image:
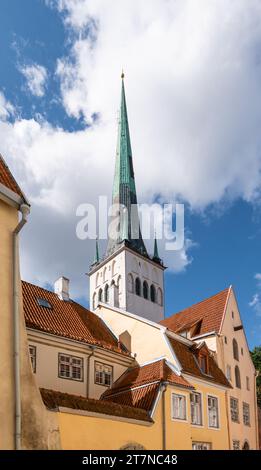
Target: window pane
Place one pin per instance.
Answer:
(179, 406)
(70, 367)
(103, 374)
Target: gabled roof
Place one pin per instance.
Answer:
(53, 400)
(188, 355)
(8, 180)
(139, 386)
(209, 313)
(66, 318)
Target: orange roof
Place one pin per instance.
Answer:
(53, 399)
(7, 179)
(208, 313)
(187, 356)
(66, 318)
(138, 386)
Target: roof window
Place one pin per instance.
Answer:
(44, 303)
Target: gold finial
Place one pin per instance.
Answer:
(122, 75)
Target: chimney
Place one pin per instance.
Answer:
(61, 288)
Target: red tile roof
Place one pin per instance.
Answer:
(138, 386)
(53, 400)
(7, 179)
(187, 356)
(66, 318)
(208, 313)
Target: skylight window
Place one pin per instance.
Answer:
(44, 303)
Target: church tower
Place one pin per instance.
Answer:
(127, 277)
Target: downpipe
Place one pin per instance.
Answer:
(25, 211)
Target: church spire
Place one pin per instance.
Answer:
(156, 252)
(97, 256)
(124, 189)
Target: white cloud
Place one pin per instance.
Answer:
(193, 90)
(36, 76)
(255, 303)
(6, 108)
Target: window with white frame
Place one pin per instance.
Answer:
(103, 374)
(201, 446)
(196, 408)
(246, 414)
(32, 352)
(236, 445)
(228, 372)
(70, 367)
(213, 419)
(179, 407)
(234, 411)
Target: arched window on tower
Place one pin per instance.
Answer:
(100, 295)
(235, 350)
(130, 283)
(137, 286)
(237, 377)
(152, 293)
(106, 294)
(97, 279)
(160, 297)
(145, 290)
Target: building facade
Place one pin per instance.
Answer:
(217, 321)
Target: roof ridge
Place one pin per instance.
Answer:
(201, 301)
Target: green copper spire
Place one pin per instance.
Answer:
(124, 190)
(97, 257)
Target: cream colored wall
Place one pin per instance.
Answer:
(181, 434)
(48, 348)
(147, 341)
(8, 222)
(113, 433)
(106, 433)
(239, 431)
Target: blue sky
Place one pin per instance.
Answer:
(195, 126)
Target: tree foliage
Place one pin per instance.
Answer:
(256, 357)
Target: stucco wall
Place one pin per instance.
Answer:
(239, 431)
(39, 428)
(112, 433)
(48, 348)
(147, 341)
(8, 221)
(107, 433)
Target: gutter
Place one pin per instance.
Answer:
(88, 371)
(163, 390)
(25, 210)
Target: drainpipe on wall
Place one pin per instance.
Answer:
(88, 371)
(25, 210)
(163, 391)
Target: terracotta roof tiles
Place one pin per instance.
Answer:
(208, 313)
(7, 179)
(66, 318)
(139, 386)
(187, 356)
(54, 399)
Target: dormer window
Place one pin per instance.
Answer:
(203, 363)
(44, 303)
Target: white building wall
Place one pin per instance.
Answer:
(117, 272)
(48, 348)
